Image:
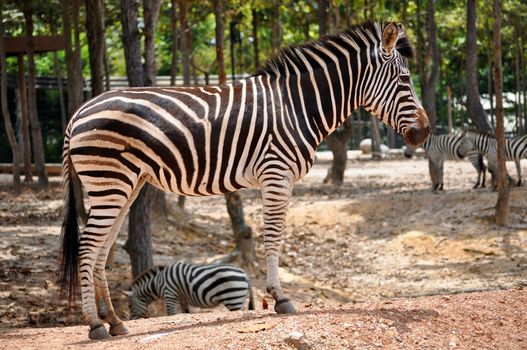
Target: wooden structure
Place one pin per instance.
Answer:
(19, 46)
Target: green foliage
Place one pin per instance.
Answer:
(299, 23)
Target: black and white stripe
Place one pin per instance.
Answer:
(515, 149)
(182, 284)
(258, 132)
(439, 148)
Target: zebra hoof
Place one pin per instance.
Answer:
(99, 332)
(118, 329)
(284, 306)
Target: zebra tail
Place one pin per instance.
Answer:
(69, 256)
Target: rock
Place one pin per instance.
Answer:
(298, 340)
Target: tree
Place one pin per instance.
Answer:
(95, 32)
(185, 42)
(256, 47)
(502, 205)
(338, 140)
(73, 55)
(139, 242)
(276, 27)
(5, 111)
(74, 80)
(174, 17)
(431, 67)
(474, 107)
(36, 130)
(242, 231)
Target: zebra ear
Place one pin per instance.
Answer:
(390, 34)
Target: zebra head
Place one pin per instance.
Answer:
(136, 306)
(389, 92)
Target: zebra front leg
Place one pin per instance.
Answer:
(275, 197)
(174, 306)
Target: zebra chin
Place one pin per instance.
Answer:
(417, 133)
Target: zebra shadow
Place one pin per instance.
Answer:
(400, 320)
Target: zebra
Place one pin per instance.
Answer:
(443, 147)
(515, 150)
(258, 132)
(182, 284)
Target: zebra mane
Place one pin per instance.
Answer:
(147, 274)
(277, 64)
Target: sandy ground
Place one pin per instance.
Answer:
(380, 236)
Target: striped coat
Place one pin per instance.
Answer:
(259, 132)
(182, 284)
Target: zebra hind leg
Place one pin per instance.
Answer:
(275, 195)
(104, 302)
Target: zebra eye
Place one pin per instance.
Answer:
(405, 79)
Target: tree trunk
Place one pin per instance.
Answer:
(375, 139)
(26, 144)
(474, 107)
(132, 43)
(517, 54)
(75, 82)
(175, 42)
(5, 111)
(36, 131)
(73, 57)
(449, 109)
(242, 232)
(338, 140)
(151, 14)
(138, 244)
(220, 61)
(431, 69)
(96, 43)
(338, 144)
(502, 205)
(490, 69)
(58, 75)
(276, 28)
(185, 44)
(256, 48)
(322, 17)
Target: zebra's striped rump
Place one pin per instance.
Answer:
(182, 284)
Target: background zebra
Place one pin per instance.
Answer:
(182, 284)
(257, 132)
(439, 148)
(515, 150)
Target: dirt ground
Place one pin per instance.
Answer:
(347, 253)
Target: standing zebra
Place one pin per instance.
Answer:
(515, 150)
(257, 132)
(183, 284)
(439, 148)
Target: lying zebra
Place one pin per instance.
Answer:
(183, 284)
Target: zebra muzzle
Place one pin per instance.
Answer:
(418, 133)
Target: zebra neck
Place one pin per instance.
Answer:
(319, 99)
